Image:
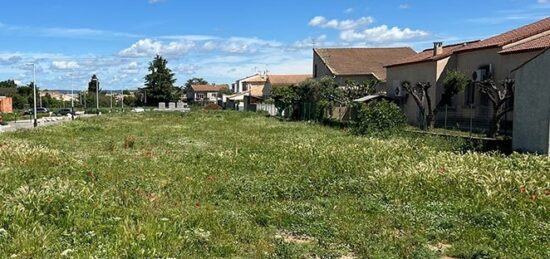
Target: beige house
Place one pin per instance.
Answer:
(205, 93)
(260, 85)
(356, 64)
(494, 57)
(532, 105)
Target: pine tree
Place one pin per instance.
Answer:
(159, 83)
(94, 82)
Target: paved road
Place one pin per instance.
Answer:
(28, 124)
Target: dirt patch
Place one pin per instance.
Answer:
(293, 238)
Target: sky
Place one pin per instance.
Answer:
(224, 40)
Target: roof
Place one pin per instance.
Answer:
(255, 79)
(280, 80)
(208, 88)
(512, 36)
(361, 61)
(427, 55)
(532, 44)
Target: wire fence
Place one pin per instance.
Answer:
(472, 119)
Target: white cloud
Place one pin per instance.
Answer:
(150, 47)
(321, 21)
(543, 1)
(65, 65)
(383, 34)
(349, 10)
(155, 1)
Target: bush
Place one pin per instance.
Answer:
(378, 117)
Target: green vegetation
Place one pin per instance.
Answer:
(379, 118)
(227, 184)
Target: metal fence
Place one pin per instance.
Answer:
(267, 107)
(471, 119)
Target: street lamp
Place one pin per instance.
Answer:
(34, 92)
(72, 97)
(96, 81)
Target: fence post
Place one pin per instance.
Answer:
(446, 111)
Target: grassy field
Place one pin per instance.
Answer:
(225, 184)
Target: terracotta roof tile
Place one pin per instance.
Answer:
(512, 36)
(208, 88)
(279, 80)
(361, 61)
(427, 55)
(534, 44)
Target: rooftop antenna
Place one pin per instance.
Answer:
(313, 43)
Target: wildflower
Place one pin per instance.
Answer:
(66, 252)
(522, 189)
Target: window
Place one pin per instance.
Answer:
(482, 73)
(214, 95)
(200, 95)
(245, 87)
(470, 94)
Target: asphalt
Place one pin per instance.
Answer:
(28, 124)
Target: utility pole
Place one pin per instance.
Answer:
(35, 123)
(123, 101)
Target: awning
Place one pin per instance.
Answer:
(369, 98)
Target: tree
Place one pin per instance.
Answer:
(419, 92)
(93, 84)
(284, 97)
(8, 84)
(159, 83)
(500, 94)
(454, 83)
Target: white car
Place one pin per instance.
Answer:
(138, 109)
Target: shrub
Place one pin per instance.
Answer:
(378, 117)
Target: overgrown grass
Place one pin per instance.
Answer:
(226, 184)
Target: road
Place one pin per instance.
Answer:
(46, 121)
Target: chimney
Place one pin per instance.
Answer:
(438, 48)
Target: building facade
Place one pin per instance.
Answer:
(493, 58)
(532, 106)
(205, 93)
(6, 104)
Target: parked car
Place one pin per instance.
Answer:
(38, 111)
(65, 112)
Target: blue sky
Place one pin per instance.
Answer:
(222, 41)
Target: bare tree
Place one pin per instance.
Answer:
(419, 92)
(499, 94)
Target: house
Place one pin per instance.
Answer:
(205, 93)
(6, 104)
(260, 85)
(494, 58)
(532, 105)
(286, 80)
(355, 64)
